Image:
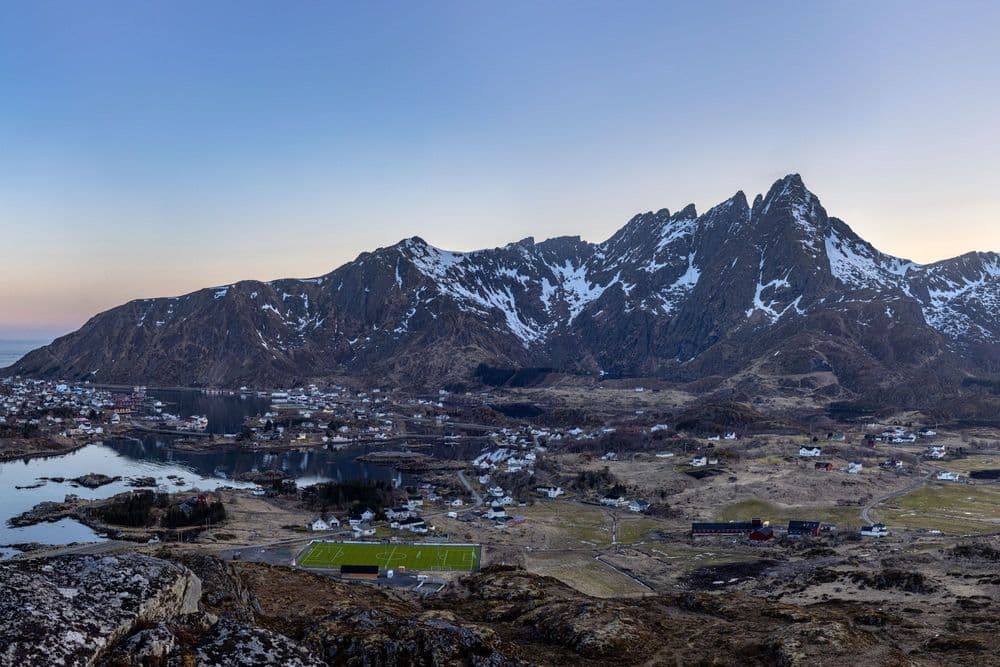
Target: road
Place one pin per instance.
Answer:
(599, 558)
(866, 511)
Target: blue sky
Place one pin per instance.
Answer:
(151, 148)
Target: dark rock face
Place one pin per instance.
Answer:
(778, 287)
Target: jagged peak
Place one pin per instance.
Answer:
(562, 241)
(737, 201)
(686, 213)
(789, 189)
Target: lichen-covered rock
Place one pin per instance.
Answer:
(69, 610)
(373, 638)
(202, 639)
(233, 644)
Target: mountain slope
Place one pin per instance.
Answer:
(775, 288)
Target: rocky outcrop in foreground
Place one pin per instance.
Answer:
(124, 610)
(68, 610)
(131, 610)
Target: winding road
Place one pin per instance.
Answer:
(866, 511)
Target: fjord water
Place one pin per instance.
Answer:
(153, 456)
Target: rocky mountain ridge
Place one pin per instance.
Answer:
(774, 287)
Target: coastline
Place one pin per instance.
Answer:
(14, 449)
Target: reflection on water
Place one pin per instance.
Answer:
(152, 457)
(225, 413)
(305, 465)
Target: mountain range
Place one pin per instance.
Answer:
(774, 291)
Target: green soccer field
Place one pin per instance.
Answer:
(440, 557)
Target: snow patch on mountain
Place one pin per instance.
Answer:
(576, 288)
(770, 308)
(674, 295)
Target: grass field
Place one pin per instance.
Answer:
(580, 571)
(440, 557)
(954, 509)
(570, 524)
(972, 462)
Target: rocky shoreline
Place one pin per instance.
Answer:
(411, 461)
(13, 449)
(88, 512)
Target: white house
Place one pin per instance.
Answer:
(363, 530)
(394, 513)
(549, 491)
(854, 468)
(699, 461)
(496, 512)
(875, 530)
(638, 506)
(810, 451)
(935, 452)
(320, 524)
(948, 476)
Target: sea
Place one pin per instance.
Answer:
(13, 349)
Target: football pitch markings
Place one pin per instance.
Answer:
(439, 557)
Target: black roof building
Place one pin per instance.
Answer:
(803, 527)
(728, 528)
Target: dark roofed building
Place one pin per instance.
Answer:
(359, 571)
(803, 528)
(727, 528)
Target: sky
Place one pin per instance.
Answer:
(153, 148)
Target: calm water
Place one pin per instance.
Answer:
(225, 413)
(151, 456)
(12, 350)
